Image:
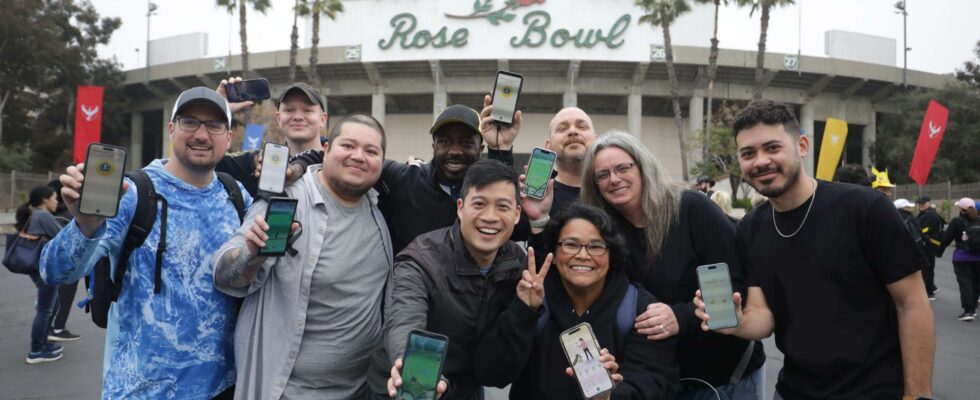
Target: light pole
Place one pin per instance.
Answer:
(137, 58)
(150, 10)
(900, 6)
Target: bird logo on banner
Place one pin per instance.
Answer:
(934, 130)
(90, 113)
(253, 142)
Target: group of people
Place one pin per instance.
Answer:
(381, 248)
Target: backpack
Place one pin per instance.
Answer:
(625, 315)
(971, 239)
(105, 286)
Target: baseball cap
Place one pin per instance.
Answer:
(965, 203)
(923, 200)
(203, 95)
(903, 203)
(458, 113)
(311, 94)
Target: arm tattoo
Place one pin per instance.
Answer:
(236, 269)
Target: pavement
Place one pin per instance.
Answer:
(78, 375)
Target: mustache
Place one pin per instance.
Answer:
(762, 171)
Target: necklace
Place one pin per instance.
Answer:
(813, 199)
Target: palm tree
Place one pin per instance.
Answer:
(662, 13)
(760, 57)
(294, 40)
(329, 8)
(242, 6)
(712, 73)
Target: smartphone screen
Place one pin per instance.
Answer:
(539, 170)
(248, 90)
(101, 188)
(275, 158)
(506, 90)
(716, 291)
(582, 350)
(279, 216)
(422, 365)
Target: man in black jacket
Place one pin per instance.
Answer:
(456, 281)
(932, 225)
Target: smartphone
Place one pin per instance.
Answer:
(248, 90)
(275, 159)
(506, 90)
(422, 365)
(279, 216)
(539, 170)
(716, 291)
(582, 351)
(102, 185)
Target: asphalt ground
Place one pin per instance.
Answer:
(78, 375)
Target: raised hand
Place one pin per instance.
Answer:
(491, 131)
(531, 287)
(256, 236)
(72, 181)
(700, 312)
(395, 381)
(234, 107)
(534, 208)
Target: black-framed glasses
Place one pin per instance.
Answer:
(620, 170)
(190, 124)
(573, 248)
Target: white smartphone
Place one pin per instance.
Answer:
(716, 292)
(539, 169)
(506, 90)
(275, 159)
(102, 185)
(582, 351)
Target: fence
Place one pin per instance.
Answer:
(938, 191)
(15, 185)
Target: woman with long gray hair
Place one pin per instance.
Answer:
(670, 232)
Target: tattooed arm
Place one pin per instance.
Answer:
(237, 270)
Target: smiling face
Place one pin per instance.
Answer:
(618, 178)
(487, 216)
(299, 119)
(455, 147)
(770, 158)
(199, 150)
(581, 270)
(352, 160)
(571, 135)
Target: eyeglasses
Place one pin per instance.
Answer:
(620, 170)
(190, 124)
(573, 248)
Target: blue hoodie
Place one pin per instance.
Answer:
(177, 344)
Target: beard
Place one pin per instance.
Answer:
(792, 177)
(198, 164)
(567, 156)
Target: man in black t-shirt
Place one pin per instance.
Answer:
(831, 270)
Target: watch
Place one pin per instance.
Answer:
(540, 223)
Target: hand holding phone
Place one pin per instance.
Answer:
(582, 351)
(103, 177)
(272, 177)
(539, 170)
(248, 90)
(418, 376)
(269, 236)
(72, 181)
(716, 296)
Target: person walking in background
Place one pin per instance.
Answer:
(66, 292)
(932, 231)
(35, 219)
(724, 201)
(965, 231)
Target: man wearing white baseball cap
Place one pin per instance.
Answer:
(965, 231)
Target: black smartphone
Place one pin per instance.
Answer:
(275, 159)
(279, 216)
(506, 90)
(582, 351)
(422, 365)
(716, 292)
(102, 185)
(539, 169)
(248, 90)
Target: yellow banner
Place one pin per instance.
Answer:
(834, 136)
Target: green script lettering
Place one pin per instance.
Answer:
(617, 31)
(537, 22)
(401, 32)
(406, 36)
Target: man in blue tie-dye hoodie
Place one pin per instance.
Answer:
(176, 344)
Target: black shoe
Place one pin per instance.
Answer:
(63, 336)
(967, 316)
(932, 296)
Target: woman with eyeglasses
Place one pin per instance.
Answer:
(671, 231)
(589, 285)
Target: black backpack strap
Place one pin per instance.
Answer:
(234, 194)
(139, 228)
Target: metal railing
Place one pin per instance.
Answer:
(939, 191)
(15, 185)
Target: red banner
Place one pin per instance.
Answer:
(88, 119)
(931, 133)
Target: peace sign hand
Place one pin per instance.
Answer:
(531, 287)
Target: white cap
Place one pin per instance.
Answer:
(903, 203)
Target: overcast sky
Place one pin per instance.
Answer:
(941, 33)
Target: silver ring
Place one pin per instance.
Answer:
(663, 329)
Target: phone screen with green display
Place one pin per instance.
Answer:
(422, 365)
(279, 216)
